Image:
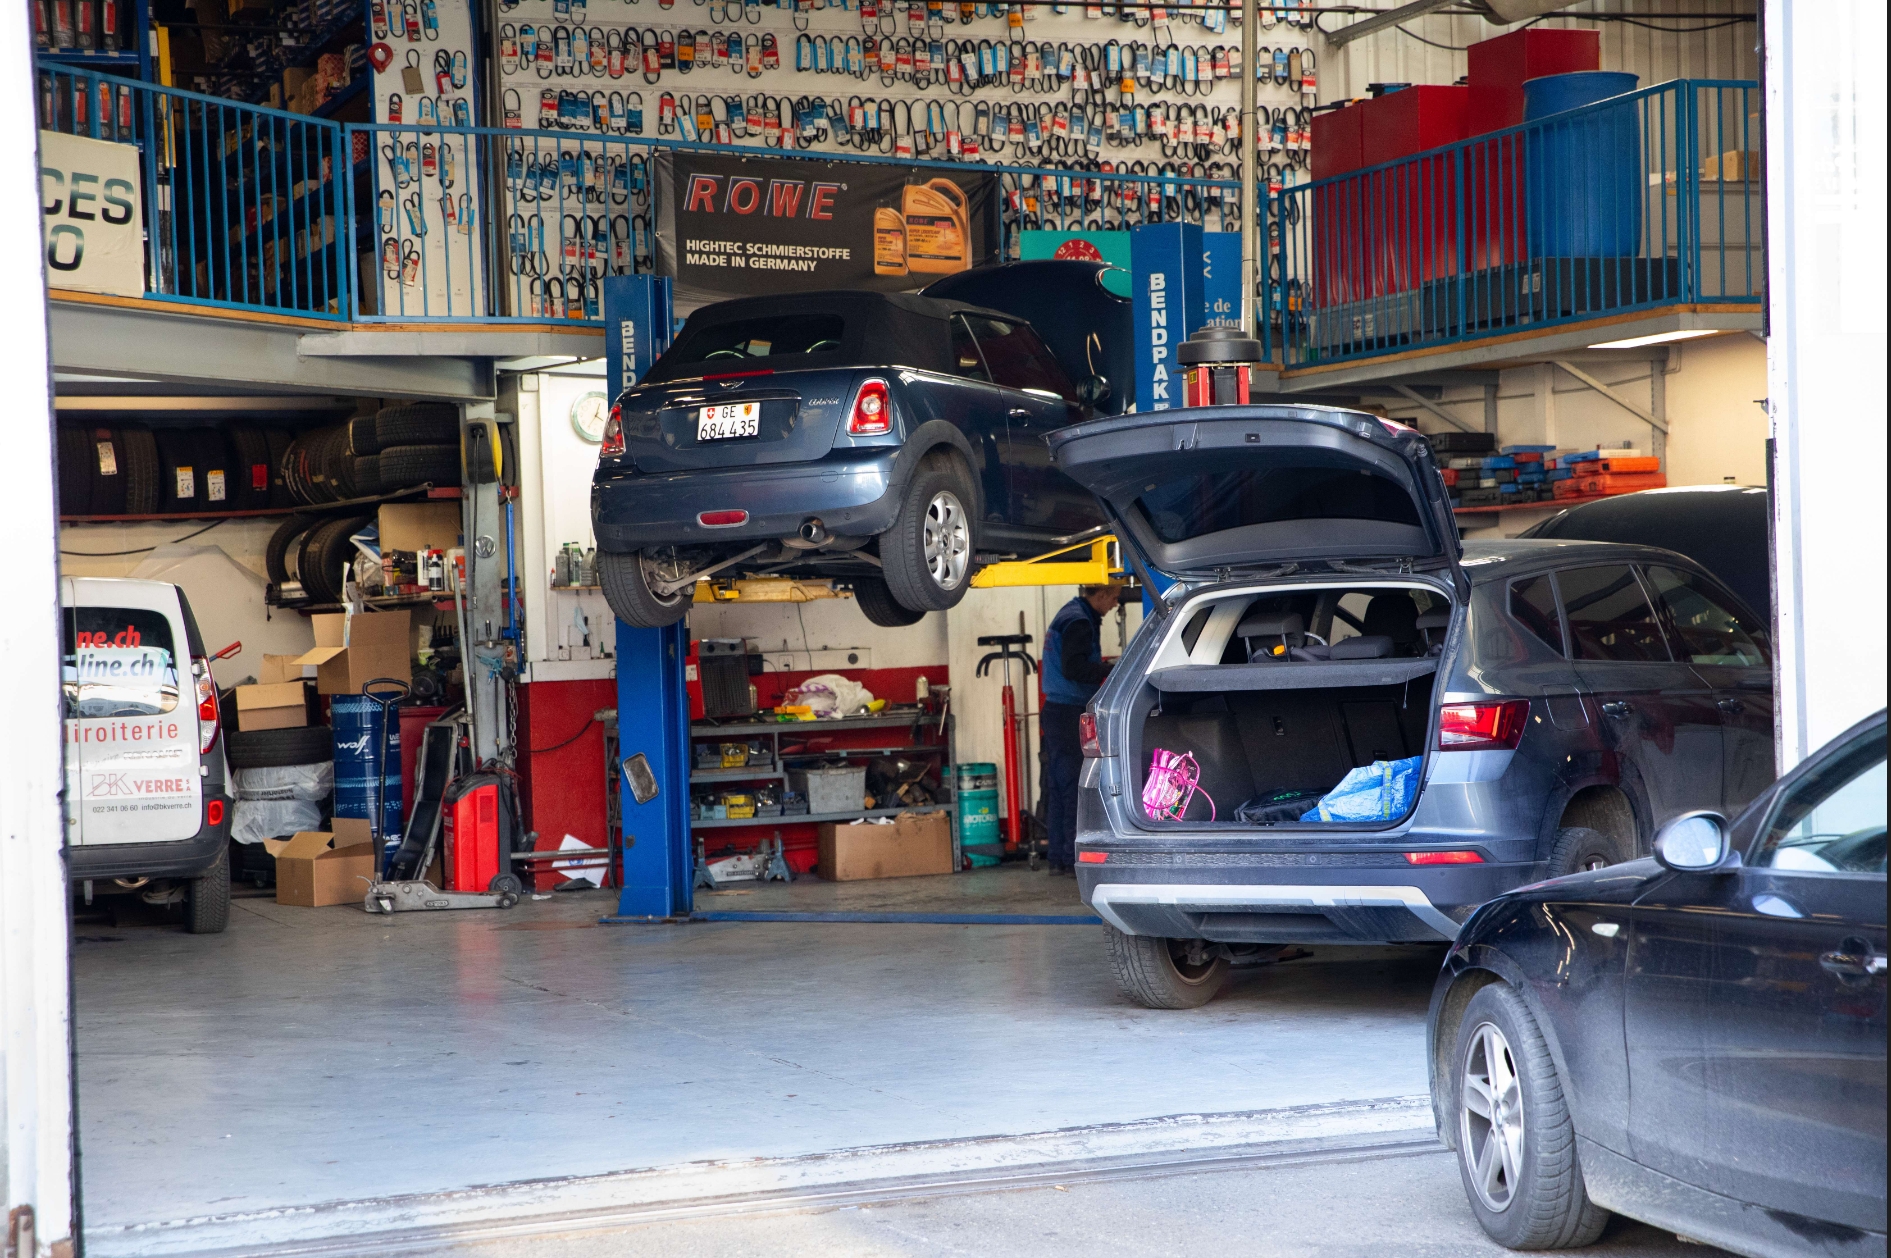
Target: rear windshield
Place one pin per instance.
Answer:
(773, 340)
(119, 661)
(1209, 501)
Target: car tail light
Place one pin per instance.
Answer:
(612, 447)
(1460, 857)
(873, 410)
(722, 519)
(1482, 726)
(1092, 858)
(1087, 735)
(208, 717)
(213, 813)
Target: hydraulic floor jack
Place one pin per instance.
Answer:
(1010, 647)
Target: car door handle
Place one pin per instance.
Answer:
(1619, 708)
(1018, 412)
(1853, 959)
(1732, 707)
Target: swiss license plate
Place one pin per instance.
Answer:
(735, 419)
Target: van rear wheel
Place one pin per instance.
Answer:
(207, 899)
(1165, 973)
(627, 581)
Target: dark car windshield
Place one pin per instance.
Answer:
(785, 341)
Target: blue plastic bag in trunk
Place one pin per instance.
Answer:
(1380, 791)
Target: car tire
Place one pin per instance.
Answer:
(368, 475)
(1517, 1160)
(402, 466)
(103, 449)
(363, 436)
(75, 478)
(216, 470)
(279, 440)
(250, 453)
(1579, 848)
(276, 554)
(1151, 973)
(275, 748)
(207, 899)
(417, 424)
(878, 605)
(326, 550)
(140, 448)
(926, 557)
(627, 590)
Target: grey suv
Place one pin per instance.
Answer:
(1552, 702)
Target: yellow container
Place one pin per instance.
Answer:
(938, 227)
(738, 805)
(889, 242)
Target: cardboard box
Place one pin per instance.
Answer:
(318, 867)
(279, 705)
(351, 651)
(414, 526)
(1733, 166)
(916, 843)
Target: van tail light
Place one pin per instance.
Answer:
(208, 717)
(213, 812)
(612, 447)
(1087, 735)
(873, 410)
(1482, 726)
(1463, 856)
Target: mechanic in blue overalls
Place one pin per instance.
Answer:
(1073, 669)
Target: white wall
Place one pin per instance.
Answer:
(1825, 100)
(1393, 56)
(555, 468)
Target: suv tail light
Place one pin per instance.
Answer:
(612, 447)
(873, 410)
(1482, 726)
(208, 717)
(1087, 735)
(1460, 856)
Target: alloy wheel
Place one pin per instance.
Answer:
(947, 540)
(1490, 1124)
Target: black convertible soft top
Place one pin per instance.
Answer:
(876, 330)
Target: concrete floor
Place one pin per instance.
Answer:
(323, 1056)
(1397, 1207)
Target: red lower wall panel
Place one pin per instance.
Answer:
(562, 788)
(561, 778)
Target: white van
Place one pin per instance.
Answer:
(147, 801)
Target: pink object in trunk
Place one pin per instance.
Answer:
(1171, 786)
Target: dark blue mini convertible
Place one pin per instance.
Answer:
(889, 440)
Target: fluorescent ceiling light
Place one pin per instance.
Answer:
(1659, 338)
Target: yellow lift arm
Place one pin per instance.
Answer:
(1094, 561)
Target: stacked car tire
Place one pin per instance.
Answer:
(416, 443)
(132, 469)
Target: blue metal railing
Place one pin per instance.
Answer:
(1642, 200)
(243, 206)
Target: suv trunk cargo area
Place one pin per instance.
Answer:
(1270, 718)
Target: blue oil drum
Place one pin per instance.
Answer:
(358, 749)
(1583, 178)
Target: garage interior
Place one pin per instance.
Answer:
(690, 1005)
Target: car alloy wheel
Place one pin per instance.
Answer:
(947, 540)
(1490, 1120)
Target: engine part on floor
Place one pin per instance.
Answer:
(1010, 647)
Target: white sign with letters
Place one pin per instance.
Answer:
(91, 218)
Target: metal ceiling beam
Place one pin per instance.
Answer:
(1383, 21)
(1646, 415)
(1434, 408)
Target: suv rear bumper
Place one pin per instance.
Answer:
(179, 858)
(1275, 900)
(853, 496)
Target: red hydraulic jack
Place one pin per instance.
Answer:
(1010, 647)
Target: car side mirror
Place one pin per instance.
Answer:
(1094, 391)
(1695, 843)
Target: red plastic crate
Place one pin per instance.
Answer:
(1618, 483)
(1338, 141)
(1498, 67)
(1410, 121)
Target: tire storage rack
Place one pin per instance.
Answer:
(326, 481)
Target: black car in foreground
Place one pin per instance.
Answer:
(890, 440)
(1695, 1040)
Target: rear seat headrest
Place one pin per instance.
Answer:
(1436, 619)
(1371, 646)
(1271, 625)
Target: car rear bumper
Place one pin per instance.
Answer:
(179, 858)
(853, 496)
(1276, 899)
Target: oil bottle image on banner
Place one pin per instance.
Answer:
(929, 234)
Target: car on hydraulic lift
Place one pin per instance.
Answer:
(886, 439)
(1550, 703)
(147, 800)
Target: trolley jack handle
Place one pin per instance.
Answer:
(1010, 647)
